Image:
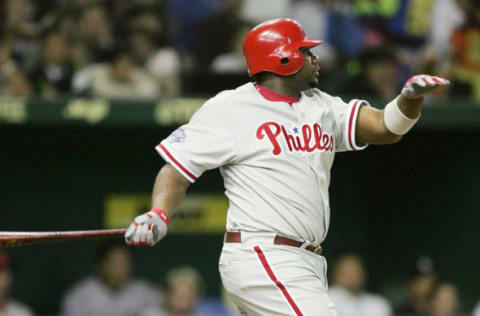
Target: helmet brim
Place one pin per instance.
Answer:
(309, 42)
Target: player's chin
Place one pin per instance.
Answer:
(313, 83)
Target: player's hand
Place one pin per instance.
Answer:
(418, 86)
(148, 228)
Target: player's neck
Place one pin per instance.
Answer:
(280, 86)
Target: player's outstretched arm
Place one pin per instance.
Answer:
(168, 191)
(398, 117)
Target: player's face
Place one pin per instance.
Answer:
(308, 75)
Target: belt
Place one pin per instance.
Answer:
(236, 237)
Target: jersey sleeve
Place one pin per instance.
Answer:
(204, 143)
(346, 122)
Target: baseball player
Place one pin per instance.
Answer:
(274, 140)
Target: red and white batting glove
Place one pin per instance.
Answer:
(417, 86)
(148, 228)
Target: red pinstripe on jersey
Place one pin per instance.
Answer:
(278, 284)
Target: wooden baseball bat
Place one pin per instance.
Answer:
(15, 239)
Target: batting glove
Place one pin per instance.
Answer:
(148, 228)
(417, 86)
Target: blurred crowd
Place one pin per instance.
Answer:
(155, 48)
(111, 289)
(425, 292)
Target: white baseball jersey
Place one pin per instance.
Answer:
(274, 154)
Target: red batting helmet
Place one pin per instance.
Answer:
(273, 46)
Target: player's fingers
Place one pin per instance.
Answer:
(424, 82)
(137, 235)
(143, 233)
(418, 83)
(141, 219)
(129, 233)
(428, 80)
(440, 81)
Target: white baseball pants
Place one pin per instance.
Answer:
(266, 279)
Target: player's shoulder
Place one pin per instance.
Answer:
(318, 94)
(227, 98)
(224, 103)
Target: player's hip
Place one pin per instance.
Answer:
(275, 279)
(259, 252)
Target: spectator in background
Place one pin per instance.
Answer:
(20, 26)
(111, 291)
(94, 39)
(146, 19)
(9, 307)
(379, 74)
(417, 27)
(215, 34)
(163, 63)
(12, 79)
(183, 288)
(444, 300)
(348, 292)
(447, 16)
(119, 79)
(466, 53)
(53, 72)
(17, 18)
(476, 310)
(315, 15)
(419, 288)
(232, 62)
(255, 12)
(183, 19)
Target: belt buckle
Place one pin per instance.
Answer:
(318, 250)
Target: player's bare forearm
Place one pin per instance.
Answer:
(371, 127)
(169, 189)
(150, 227)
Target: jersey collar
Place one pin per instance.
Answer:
(270, 95)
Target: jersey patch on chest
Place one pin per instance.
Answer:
(308, 138)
